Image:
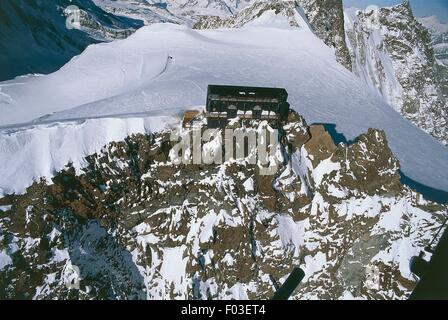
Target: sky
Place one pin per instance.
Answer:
(421, 8)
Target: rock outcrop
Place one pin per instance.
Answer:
(133, 225)
(327, 19)
(439, 36)
(41, 27)
(393, 53)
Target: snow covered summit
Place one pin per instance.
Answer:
(163, 69)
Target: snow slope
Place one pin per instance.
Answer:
(439, 34)
(52, 147)
(137, 75)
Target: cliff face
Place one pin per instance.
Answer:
(133, 225)
(40, 26)
(393, 53)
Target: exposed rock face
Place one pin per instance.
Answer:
(393, 53)
(139, 227)
(96, 28)
(40, 26)
(327, 19)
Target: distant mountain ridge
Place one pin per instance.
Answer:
(325, 16)
(90, 195)
(132, 225)
(34, 37)
(439, 34)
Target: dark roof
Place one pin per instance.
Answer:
(260, 92)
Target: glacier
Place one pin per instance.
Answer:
(164, 69)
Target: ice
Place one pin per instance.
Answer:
(60, 255)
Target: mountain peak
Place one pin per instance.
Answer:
(277, 14)
(433, 24)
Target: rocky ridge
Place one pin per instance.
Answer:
(139, 227)
(285, 9)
